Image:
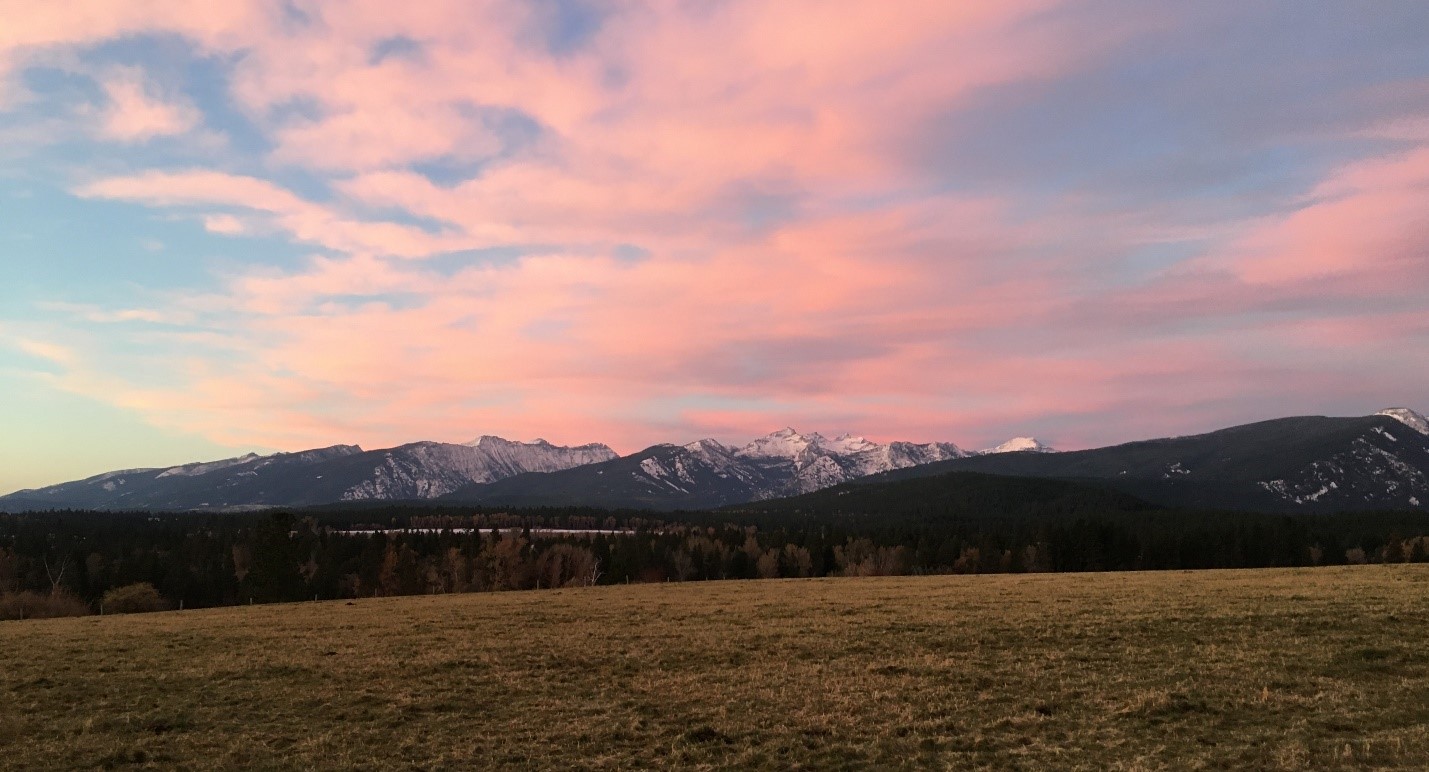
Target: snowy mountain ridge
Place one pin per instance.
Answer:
(1376, 460)
(709, 473)
(419, 470)
(427, 470)
(780, 463)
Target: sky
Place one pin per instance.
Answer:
(277, 224)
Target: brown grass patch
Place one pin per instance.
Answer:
(1279, 669)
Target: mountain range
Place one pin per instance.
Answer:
(1296, 464)
(418, 470)
(490, 469)
(707, 473)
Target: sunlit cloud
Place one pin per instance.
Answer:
(135, 113)
(225, 224)
(301, 219)
(929, 221)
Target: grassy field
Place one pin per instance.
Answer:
(1319, 668)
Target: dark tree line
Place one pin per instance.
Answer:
(211, 560)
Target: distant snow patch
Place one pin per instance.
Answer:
(1020, 445)
(1410, 418)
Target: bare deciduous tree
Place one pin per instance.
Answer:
(56, 574)
(242, 561)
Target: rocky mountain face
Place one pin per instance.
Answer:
(428, 470)
(797, 463)
(708, 473)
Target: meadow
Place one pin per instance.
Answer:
(1275, 669)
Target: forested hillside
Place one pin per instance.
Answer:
(1301, 464)
(958, 523)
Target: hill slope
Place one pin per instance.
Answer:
(1288, 464)
(929, 499)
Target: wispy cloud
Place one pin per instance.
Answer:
(50, 352)
(301, 219)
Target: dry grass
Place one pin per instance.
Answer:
(1323, 668)
(40, 605)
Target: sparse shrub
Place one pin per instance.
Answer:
(34, 605)
(1393, 551)
(796, 561)
(135, 598)
(860, 557)
(768, 565)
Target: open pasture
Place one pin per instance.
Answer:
(1277, 669)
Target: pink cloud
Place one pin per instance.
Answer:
(1367, 225)
(31, 25)
(701, 101)
(303, 220)
(1353, 247)
(225, 224)
(135, 113)
(797, 267)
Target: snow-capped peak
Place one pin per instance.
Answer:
(1020, 445)
(785, 443)
(1410, 418)
(490, 440)
(847, 443)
